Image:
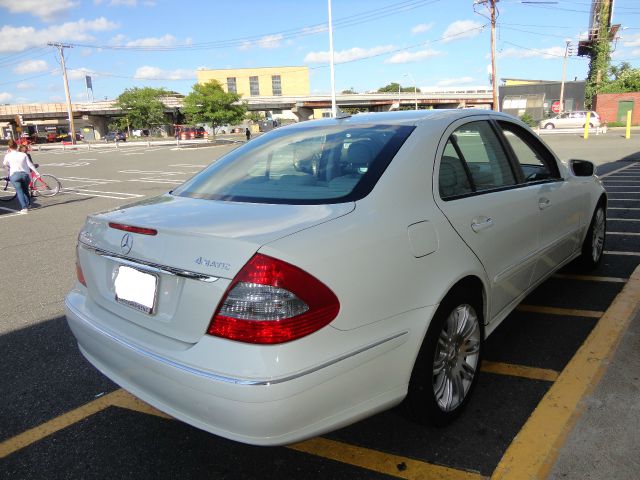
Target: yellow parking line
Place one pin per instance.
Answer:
(560, 311)
(513, 370)
(395, 465)
(534, 450)
(590, 278)
(52, 426)
(128, 401)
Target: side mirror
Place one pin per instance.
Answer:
(582, 168)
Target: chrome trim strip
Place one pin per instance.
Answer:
(149, 266)
(221, 378)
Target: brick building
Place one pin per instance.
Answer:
(613, 107)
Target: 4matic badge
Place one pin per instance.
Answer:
(212, 263)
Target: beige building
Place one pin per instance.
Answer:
(260, 82)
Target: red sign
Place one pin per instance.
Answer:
(555, 106)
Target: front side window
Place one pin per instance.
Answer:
(254, 86)
(302, 165)
(474, 161)
(536, 162)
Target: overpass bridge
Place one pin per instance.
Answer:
(99, 114)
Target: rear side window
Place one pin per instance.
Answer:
(473, 161)
(310, 165)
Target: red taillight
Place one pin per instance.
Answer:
(132, 229)
(271, 301)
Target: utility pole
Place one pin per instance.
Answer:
(567, 52)
(72, 126)
(493, 15)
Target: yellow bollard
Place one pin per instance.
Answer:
(627, 134)
(586, 126)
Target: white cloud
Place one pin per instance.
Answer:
(408, 57)
(126, 3)
(17, 39)
(5, 97)
(270, 41)
(421, 28)
(544, 53)
(461, 29)
(80, 73)
(25, 86)
(447, 82)
(355, 53)
(31, 66)
(632, 40)
(314, 30)
(45, 11)
(155, 73)
(166, 40)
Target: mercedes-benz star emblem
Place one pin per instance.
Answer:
(126, 243)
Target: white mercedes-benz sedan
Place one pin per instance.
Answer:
(329, 270)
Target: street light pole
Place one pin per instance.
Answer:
(564, 74)
(334, 108)
(72, 126)
(415, 88)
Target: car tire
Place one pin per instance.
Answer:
(549, 126)
(448, 363)
(593, 245)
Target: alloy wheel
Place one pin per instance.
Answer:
(456, 357)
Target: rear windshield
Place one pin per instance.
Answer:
(311, 165)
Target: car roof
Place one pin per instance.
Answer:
(406, 117)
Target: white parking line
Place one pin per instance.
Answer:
(84, 179)
(85, 190)
(188, 165)
(174, 181)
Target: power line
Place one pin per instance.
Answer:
(345, 22)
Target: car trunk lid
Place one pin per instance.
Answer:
(184, 258)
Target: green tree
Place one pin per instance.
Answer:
(627, 81)
(617, 70)
(210, 104)
(349, 91)
(255, 116)
(393, 88)
(141, 108)
(600, 59)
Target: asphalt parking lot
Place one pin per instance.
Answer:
(60, 418)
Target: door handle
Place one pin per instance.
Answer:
(544, 203)
(479, 224)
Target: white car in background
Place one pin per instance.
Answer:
(577, 119)
(329, 270)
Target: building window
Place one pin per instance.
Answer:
(276, 84)
(231, 85)
(254, 86)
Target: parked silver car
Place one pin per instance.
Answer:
(575, 119)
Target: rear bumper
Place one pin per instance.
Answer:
(310, 399)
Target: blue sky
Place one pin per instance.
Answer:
(434, 43)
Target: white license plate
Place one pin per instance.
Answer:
(136, 289)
